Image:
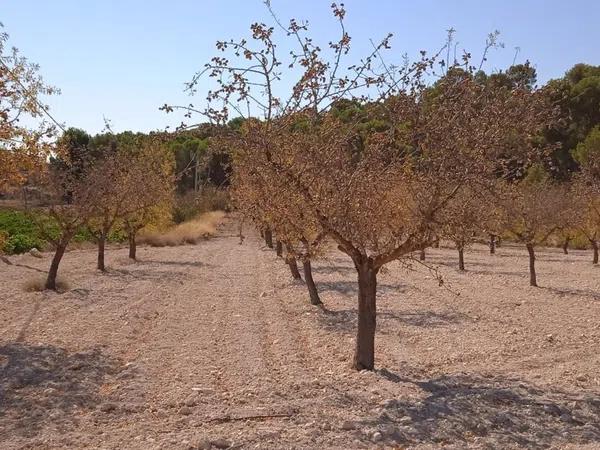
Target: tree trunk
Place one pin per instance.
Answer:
(279, 248)
(291, 261)
(422, 254)
(269, 237)
(132, 245)
(461, 258)
(532, 276)
(53, 272)
(595, 247)
(492, 244)
(310, 283)
(436, 243)
(101, 245)
(364, 356)
(565, 246)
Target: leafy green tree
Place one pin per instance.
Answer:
(578, 96)
(587, 152)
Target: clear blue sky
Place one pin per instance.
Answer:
(122, 59)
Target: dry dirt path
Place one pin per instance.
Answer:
(215, 343)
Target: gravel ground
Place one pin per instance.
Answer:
(214, 346)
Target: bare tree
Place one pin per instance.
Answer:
(463, 221)
(586, 210)
(380, 201)
(109, 192)
(70, 194)
(149, 185)
(376, 182)
(534, 211)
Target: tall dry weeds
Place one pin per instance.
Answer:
(190, 232)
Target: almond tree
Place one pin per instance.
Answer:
(462, 221)
(378, 183)
(587, 154)
(252, 194)
(131, 186)
(149, 185)
(70, 208)
(379, 199)
(534, 211)
(585, 207)
(109, 192)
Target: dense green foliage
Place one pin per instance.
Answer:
(23, 231)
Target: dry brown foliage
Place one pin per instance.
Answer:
(23, 149)
(39, 285)
(130, 186)
(377, 182)
(533, 212)
(190, 232)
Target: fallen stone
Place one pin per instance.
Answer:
(192, 400)
(553, 409)
(185, 411)
(348, 425)
(202, 444)
(36, 253)
(220, 443)
(107, 407)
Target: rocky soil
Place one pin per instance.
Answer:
(214, 346)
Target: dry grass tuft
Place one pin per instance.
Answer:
(39, 285)
(190, 232)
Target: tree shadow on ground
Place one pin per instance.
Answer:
(509, 273)
(147, 274)
(175, 263)
(43, 386)
(334, 269)
(488, 412)
(572, 292)
(350, 288)
(345, 320)
(453, 262)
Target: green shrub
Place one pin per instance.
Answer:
(21, 243)
(20, 231)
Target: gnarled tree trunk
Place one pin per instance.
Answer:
(291, 262)
(461, 257)
(310, 283)
(101, 246)
(492, 244)
(268, 237)
(279, 248)
(532, 276)
(565, 246)
(53, 272)
(132, 245)
(364, 355)
(422, 254)
(595, 248)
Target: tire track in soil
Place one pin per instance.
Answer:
(282, 336)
